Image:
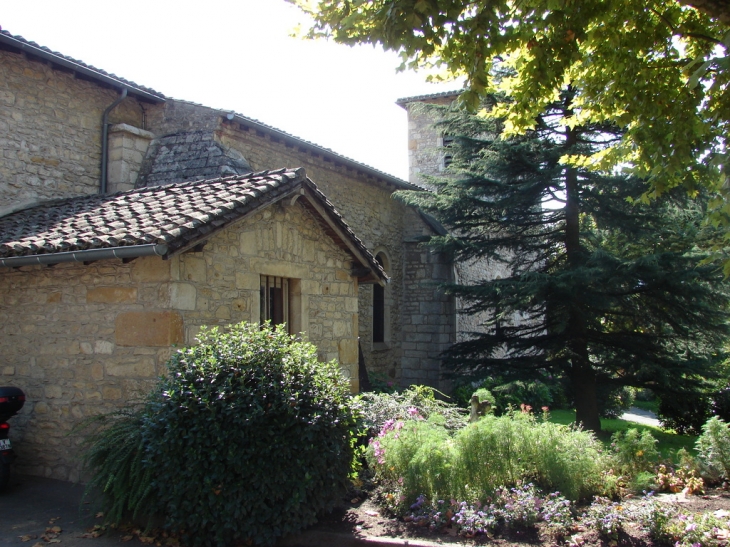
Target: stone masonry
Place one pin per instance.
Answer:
(88, 339)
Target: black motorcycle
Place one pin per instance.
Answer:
(12, 400)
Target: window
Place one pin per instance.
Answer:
(275, 300)
(381, 311)
(447, 142)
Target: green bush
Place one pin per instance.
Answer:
(713, 448)
(634, 451)
(421, 457)
(614, 401)
(116, 452)
(248, 438)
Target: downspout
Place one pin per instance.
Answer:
(105, 140)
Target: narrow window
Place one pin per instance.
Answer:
(275, 300)
(379, 309)
(447, 142)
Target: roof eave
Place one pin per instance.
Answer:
(80, 69)
(326, 153)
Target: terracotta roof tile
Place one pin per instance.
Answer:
(178, 215)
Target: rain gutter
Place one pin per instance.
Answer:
(87, 255)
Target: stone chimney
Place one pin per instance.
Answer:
(127, 148)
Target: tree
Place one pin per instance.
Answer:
(658, 69)
(602, 288)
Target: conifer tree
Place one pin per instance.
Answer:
(602, 288)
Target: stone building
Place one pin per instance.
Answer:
(89, 164)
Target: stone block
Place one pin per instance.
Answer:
(194, 269)
(150, 269)
(111, 295)
(182, 296)
(148, 328)
(103, 347)
(347, 353)
(138, 367)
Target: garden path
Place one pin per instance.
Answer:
(641, 416)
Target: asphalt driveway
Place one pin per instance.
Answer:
(32, 507)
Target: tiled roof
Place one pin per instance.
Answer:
(18, 43)
(176, 215)
(443, 94)
(193, 155)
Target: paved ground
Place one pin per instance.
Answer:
(31, 505)
(640, 416)
(34, 505)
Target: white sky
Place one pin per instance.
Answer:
(237, 55)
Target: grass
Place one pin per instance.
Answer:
(652, 406)
(669, 442)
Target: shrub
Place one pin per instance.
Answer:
(634, 451)
(414, 457)
(606, 517)
(614, 401)
(376, 409)
(684, 414)
(248, 439)
(116, 452)
(713, 448)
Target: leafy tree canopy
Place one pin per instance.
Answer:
(658, 69)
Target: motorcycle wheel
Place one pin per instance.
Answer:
(4, 475)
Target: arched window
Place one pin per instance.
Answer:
(380, 308)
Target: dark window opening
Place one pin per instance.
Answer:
(448, 141)
(378, 309)
(274, 300)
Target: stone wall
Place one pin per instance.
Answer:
(82, 340)
(425, 142)
(50, 130)
(428, 315)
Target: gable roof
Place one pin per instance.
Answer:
(166, 220)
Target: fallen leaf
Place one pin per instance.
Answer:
(54, 519)
(372, 513)
(146, 539)
(27, 537)
(99, 515)
(127, 538)
(355, 500)
(39, 544)
(54, 540)
(55, 530)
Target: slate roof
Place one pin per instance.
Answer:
(189, 156)
(178, 216)
(19, 44)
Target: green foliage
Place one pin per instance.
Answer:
(116, 453)
(675, 116)
(634, 451)
(602, 290)
(376, 409)
(419, 457)
(606, 517)
(685, 414)
(713, 448)
(614, 401)
(508, 394)
(248, 438)
(484, 396)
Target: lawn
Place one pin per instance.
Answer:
(668, 444)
